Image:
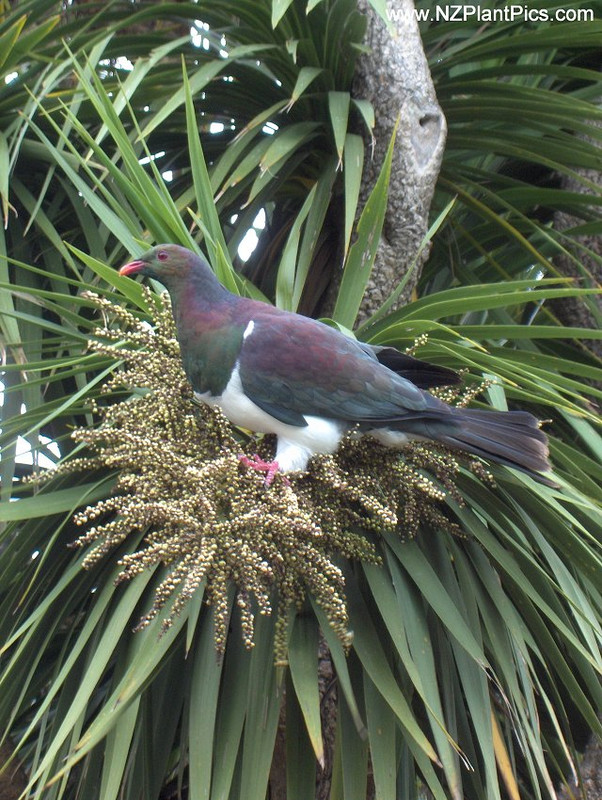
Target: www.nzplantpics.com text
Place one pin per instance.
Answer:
(458, 12)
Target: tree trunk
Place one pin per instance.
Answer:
(12, 778)
(573, 311)
(395, 77)
(590, 774)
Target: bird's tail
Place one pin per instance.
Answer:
(513, 438)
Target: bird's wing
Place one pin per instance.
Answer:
(420, 373)
(292, 367)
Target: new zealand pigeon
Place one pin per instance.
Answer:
(273, 371)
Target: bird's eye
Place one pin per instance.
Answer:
(162, 255)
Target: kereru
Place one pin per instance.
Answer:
(274, 371)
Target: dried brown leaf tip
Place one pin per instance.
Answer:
(210, 521)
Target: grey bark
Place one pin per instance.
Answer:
(12, 777)
(590, 784)
(573, 311)
(395, 77)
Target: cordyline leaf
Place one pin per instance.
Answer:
(8, 463)
(285, 142)
(263, 706)
(351, 758)
(8, 324)
(130, 289)
(244, 167)
(119, 225)
(366, 109)
(302, 241)
(353, 163)
(374, 661)
(242, 138)
(206, 676)
(148, 652)
(338, 106)
(117, 753)
(382, 738)
(29, 41)
(130, 86)
(106, 644)
(300, 756)
(55, 502)
(279, 9)
(433, 591)
(406, 623)
(200, 176)
(305, 78)
(198, 81)
(4, 175)
(396, 292)
(340, 662)
(285, 281)
(9, 38)
(313, 228)
(302, 655)
(444, 305)
(360, 259)
(231, 713)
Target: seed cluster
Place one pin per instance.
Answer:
(209, 519)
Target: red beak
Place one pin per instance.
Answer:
(132, 268)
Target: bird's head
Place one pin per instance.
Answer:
(167, 263)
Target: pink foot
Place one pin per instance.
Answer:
(269, 467)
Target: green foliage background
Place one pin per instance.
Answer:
(475, 662)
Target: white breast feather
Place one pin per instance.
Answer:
(296, 444)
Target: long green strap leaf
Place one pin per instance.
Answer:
(303, 662)
(374, 660)
(362, 254)
(206, 676)
(57, 501)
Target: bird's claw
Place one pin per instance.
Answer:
(269, 467)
